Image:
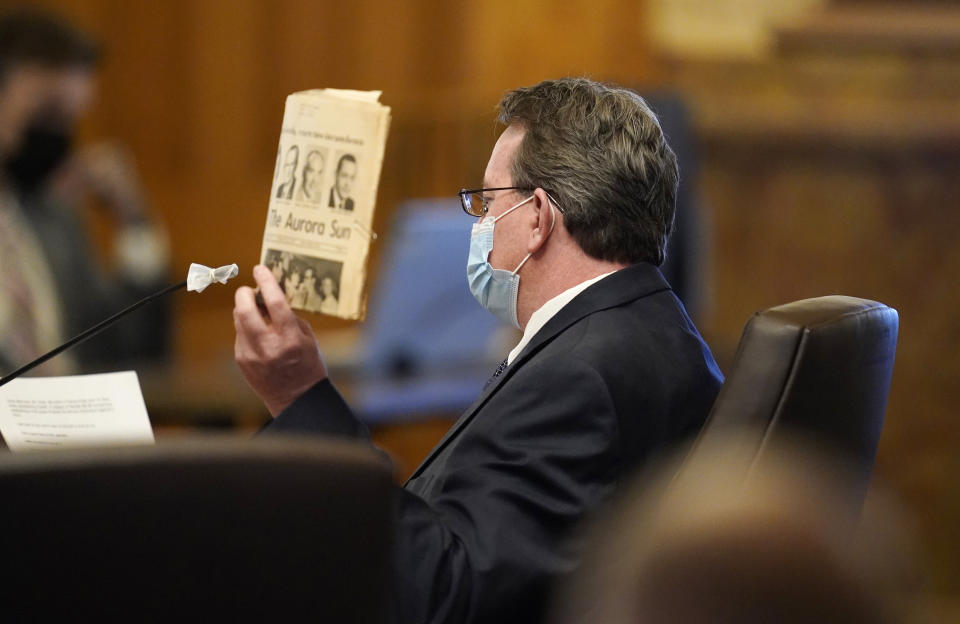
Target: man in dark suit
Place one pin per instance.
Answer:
(610, 370)
(343, 185)
(285, 188)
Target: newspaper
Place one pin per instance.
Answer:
(318, 232)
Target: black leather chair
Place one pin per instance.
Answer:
(817, 370)
(228, 530)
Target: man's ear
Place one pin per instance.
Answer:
(546, 220)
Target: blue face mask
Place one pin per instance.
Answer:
(495, 289)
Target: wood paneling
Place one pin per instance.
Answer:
(825, 172)
(834, 170)
(196, 88)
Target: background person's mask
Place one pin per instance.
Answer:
(43, 148)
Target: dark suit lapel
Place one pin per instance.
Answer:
(466, 417)
(631, 283)
(626, 285)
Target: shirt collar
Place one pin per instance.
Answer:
(547, 311)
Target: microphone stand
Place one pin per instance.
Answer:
(96, 329)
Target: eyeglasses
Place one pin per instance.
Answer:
(476, 205)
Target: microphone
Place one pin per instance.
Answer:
(198, 278)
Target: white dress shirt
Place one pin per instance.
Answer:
(547, 311)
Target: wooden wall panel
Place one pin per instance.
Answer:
(196, 88)
(832, 168)
(812, 166)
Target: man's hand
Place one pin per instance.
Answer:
(278, 355)
(107, 171)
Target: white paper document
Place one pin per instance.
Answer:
(39, 413)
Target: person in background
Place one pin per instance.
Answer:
(51, 284)
(734, 535)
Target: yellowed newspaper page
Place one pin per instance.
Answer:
(319, 223)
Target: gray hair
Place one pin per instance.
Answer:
(600, 150)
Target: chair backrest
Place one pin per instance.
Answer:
(267, 529)
(427, 345)
(422, 317)
(818, 369)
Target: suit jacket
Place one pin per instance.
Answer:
(333, 203)
(285, 190)
(88, 293)
(484, 526)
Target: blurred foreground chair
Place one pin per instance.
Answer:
(713, 543)
(817, 369)
(261, 530)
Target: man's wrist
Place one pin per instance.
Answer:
(319, 411)
(276, 405)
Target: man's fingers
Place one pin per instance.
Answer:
(305, 327)
(246, 316)
(273, 297)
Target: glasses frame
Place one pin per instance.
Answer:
(466, 193)
(465, 201)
